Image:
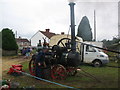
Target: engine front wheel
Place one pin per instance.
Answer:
(58, 72)
(71, 71)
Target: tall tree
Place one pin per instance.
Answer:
(8, 40)
(84, 30)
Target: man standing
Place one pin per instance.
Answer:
(40, 63)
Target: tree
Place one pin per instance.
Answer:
(112, 44)
(84, 30)
(8, 40)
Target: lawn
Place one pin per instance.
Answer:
(107, 76)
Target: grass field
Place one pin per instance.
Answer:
(107, 75)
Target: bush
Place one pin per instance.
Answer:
(8, 40)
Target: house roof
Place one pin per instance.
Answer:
(48, 34)
(22, 40)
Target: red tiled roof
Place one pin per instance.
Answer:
(48, 34)
(22, 40)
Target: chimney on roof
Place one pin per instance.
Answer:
(62, 33)
(47, 30)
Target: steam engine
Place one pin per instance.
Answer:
(61, 60)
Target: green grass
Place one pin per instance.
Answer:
(107, 75)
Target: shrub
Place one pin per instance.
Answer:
(8, 40)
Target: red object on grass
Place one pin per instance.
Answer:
(15, 68)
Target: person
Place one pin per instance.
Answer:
(27, 53)
(23, 51)
(45, 44)
(33, 51)
(39, 44)
(40, 63)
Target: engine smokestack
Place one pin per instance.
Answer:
(73, 43)
(71, 58)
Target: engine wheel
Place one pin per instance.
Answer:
(32, 67)
(97, 63)
(64, 42)
(58, 72)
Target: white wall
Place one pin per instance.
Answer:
(38, 36)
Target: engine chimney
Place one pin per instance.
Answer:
(73, 46)
(73, 57)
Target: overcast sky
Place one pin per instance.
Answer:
(28, 16)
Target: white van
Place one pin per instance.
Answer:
(93, 55)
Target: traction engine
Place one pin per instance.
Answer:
(61, 59)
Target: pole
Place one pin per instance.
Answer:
(119, 20)
(16, 34)
(73, 43)
(94, 26)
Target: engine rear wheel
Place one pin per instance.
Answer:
(58, 72)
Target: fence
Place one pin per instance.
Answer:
(8, 53)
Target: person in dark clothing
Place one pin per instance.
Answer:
(23, 51)
(40, 63)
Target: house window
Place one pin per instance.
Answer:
(25, 43)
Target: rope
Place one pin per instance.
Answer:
(89, 75)
(100, 48)
(46, 80)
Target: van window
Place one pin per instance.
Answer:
(99, 50)
(90, 49)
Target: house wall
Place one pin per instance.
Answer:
(23, 44)
(38, 36)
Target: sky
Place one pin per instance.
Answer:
(28, 16)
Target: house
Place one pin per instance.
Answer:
(22, 42)
(41, 35)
